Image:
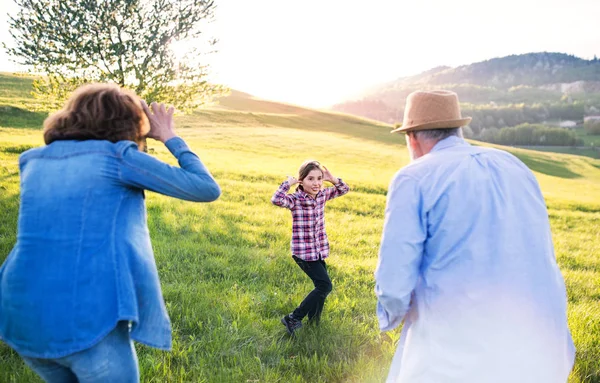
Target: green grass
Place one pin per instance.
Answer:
(591, 153)
(589, 139)
(225, 268)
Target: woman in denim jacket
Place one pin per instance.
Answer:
(81, 282)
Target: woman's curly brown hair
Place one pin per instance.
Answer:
(98, 112)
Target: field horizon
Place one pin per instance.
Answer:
(225, 267)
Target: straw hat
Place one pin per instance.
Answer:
(434, 109)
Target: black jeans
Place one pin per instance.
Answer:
(312, 305)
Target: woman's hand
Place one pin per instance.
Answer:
(161, 121)
(291, 180)
(327, 176)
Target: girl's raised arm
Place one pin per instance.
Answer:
(281, 198)
(339, 187)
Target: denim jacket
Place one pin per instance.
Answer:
(83, 259)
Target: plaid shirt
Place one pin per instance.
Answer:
(309, 239)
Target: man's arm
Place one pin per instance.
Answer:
(401, 251)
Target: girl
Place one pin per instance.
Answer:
(309, 242)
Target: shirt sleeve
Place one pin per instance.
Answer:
(400, 253)
(337, 190)
(281, 198)
(191, 181)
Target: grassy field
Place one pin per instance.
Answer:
(588, 139)
(225, 267)
(591, 153)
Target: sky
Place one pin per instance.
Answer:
(320, 52)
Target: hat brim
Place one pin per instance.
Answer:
(444, 124)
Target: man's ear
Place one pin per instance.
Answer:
(412, 140)
(415, 145)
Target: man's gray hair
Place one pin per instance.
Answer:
(438, 134)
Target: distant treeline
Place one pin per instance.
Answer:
(592, 126)
(484, 116)
(506, 125)
(395, 96)
(527, 135)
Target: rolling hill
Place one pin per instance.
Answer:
(531, 69)
(535, 88)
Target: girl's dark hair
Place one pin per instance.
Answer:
(308, 167)
(98, 112)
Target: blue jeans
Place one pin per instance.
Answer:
(112, 360)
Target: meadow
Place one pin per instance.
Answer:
(225, 268)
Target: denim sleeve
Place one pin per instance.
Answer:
(400, 253)
(190, 182)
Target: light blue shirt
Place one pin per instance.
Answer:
(83, 259)
(467, 261)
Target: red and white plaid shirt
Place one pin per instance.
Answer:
(309, 239)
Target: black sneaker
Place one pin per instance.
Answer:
(291, 324)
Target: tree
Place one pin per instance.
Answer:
(129, 42)
(468, 132)
(489, 135)
(592, 126)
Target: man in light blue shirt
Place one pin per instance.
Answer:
(467, 261)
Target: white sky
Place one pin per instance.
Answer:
(319, 52)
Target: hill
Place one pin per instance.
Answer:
(553, 89)
(531, 69)
(225, 267)
(532, 77)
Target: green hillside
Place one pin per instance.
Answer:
(531, 77)
(225, 267)
(531, 69)
(534, 88)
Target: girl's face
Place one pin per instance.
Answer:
(312, 182)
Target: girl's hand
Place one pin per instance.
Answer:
(161, 121)
(327, 176)
(291, 180)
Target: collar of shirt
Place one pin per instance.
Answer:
(449, 142)
(305, 196)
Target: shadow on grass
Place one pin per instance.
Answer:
(573, 206)
(547, 166)
(226, 251)
(223, 249)
(211, 266)
(12, 367)
(310, 121)
(9, 206)
(13, 117)
(228, 279)
(16, 149)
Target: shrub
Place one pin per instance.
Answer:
(531, 135)
(592, 126)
